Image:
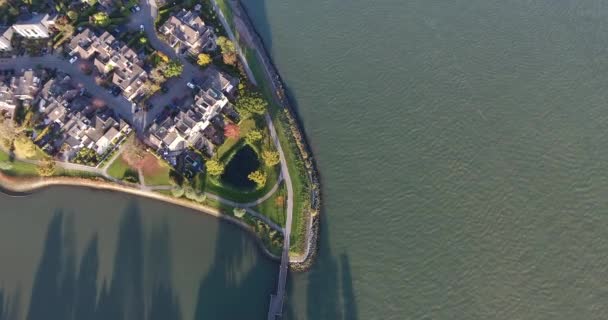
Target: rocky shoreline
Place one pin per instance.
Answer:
(23, 186)
(245, 27)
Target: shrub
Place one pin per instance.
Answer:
(177, 191)
(46, 167)
(203, 59)
(252, 102)
(271, 158)
(253, 136)
(239, 212)
(214, 167)
(259, 177)
(5, 165)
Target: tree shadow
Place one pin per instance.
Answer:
(258, 14)
(61, 291)
(9, 306)
(330, 290)
(236, 299)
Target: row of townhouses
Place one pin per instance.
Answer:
(112, 56)
(68, 121)
(187, 33)
(199, 125)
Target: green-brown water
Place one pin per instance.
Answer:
(462, 151)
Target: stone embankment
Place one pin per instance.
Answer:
(246, 30)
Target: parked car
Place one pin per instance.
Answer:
(73, 59)
(137, 8)
(141, 27)
(191, 85)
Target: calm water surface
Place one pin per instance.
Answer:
(463, 151)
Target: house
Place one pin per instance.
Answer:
(210, 102)
(186, 32)
(5, 39)
(112, 56)
(218, 80)
(100, 132)
(25, 87)
(174, 135)
(37, 27)
(7, 100)
(105, 131)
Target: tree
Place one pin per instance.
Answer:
(271, 158)
(239, 212)
(230, 58)
(252, 102)
(101, 19)
(177, 191)
(73, 15)
(24, 147)
(232, 131)
(203, 59)
(253, 136)
(194, 195)
(214, 167)
(86, 156)
(134, 152)
(228, 50)
(259, 177)
(46, 167)
(172, 69)
(225, 44)
(8, 132)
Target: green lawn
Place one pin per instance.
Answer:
(292, 154)
(245, 126)
(159, 177)
(17, 168)
(274, 207)
(118, 168)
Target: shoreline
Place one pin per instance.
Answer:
(24, 186)
(305, 260)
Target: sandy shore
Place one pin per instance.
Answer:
(26, 185)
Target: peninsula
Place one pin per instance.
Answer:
(176, 101)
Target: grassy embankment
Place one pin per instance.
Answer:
(14, 167)
(157, 174)
(296, 168)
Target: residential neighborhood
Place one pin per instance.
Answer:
(67, 121)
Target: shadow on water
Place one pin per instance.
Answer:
(236, 300)
(256, 10)
(330, 290)
(67, 287)
(62, 291)
(9, 306)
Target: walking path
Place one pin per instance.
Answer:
(277, 300)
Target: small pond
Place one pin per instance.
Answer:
(240, 166)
